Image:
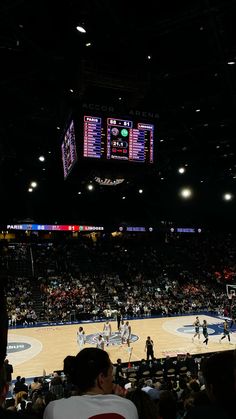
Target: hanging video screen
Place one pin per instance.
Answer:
(111, 138)
(68, 148)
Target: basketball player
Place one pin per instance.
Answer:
(118, 318)
(81, 338)
(205, 332)
(149, 348)
(196, 324)
(233, 315)
(100, 342)
(127, 333)
(107, 331)
(225, 331)
(122, 331)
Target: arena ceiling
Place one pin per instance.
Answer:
(173, 59)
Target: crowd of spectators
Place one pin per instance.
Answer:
(184, 387)
(89, 279)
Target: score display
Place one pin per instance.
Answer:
(68, 148)
(119, 139)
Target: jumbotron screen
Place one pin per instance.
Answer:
(68, 148)
(111, 138)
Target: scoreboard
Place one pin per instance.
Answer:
(118, 139)
(103, 138)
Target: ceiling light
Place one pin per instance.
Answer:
(58, 128)
(123, 197)
(197, 110)
(227, 196)
(88, 44)
(149, 57)
(231, 62)
(41, 158)
(181, 170)
(79, 193)
(30, 190)
(81, 29)
(33, 184)
(140, 191)
(90, 187)
(72, 90)
(186, 193)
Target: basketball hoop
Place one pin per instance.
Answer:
(230, 291)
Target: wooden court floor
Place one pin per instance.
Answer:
(32, 351)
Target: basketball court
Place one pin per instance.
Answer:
(35, 350)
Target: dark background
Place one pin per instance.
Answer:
(43, 57)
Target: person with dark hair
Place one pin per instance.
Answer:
(149, 348)
(197, 329)
(4, 414)
(81, 337)
(218, 374)
(191, 364)
(36, 385)
(9, 371)
(127, 333)
(91, 371)
(147, 408)
(100, 342)
(205, 332)
(167, 405)
(225, 331)
(119, 376)
(118, 318)
(17, 384)
(20, 386)
(107, 332)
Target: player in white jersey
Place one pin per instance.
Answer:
(81, 338)
(127, 333)
(100, 342)
(107, 331)
(196, 325)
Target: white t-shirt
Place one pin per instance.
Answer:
(101, 406)
(81, 337)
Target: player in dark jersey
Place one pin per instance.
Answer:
(149, 348)
(233, 315)
(205, 332)
(197, 329)
(225, 331)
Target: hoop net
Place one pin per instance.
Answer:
(231, 291)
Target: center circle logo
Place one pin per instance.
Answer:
(191, 330)
(13, 347)
(114, 340)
